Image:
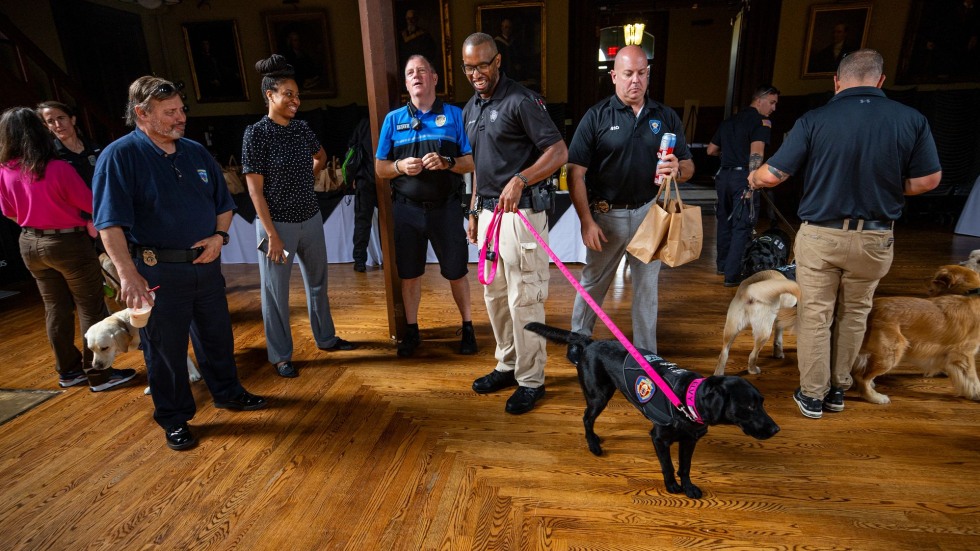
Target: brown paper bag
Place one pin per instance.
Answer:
(684, 235)
(331, 178)
(233, 177)
(649, 237)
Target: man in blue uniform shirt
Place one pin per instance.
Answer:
(612, 163)
(861, 154)
(163, 210)
(741, 142)
(424, 151)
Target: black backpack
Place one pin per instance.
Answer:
(358, 162)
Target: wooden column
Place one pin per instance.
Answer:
(381, 69)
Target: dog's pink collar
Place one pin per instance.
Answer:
(690, 400)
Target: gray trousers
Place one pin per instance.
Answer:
(600, 269)
(304, 241)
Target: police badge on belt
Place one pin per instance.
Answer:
(149, 257)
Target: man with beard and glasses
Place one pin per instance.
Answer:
(163, 211)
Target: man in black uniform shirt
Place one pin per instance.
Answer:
(740, 141)
(515, 146)
(612, 163)
(861, 153)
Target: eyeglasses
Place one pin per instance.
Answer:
(767, 91)
(482, 67)
(164, 91)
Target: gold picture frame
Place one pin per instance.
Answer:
(303, 37)
(425, 31)
(834, 30)
(523, 47)
(215, 56)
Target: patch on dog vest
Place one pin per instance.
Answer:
(644, 393)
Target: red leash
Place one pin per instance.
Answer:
(689, 409)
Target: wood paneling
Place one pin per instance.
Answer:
(370, 451)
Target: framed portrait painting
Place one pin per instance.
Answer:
(834, 30)
(942, 43)
(422, 27)
(215, 56)
(303, 38)
(518, 28)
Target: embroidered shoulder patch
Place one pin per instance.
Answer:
(655, 125)
(203, 174)
(767, 123)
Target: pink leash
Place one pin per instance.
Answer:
(689, 409)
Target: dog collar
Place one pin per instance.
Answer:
(690, 400)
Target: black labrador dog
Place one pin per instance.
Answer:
(605, 365)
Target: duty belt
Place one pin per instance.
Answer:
(490, 203)
(602, 206)
(38, 233)
(426, 205)
(152, 255)
(855, 224)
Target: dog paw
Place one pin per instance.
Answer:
(754, 370)
(878, 398)
(778, 355)
(692, 491)
(194, 378)
(672, 486)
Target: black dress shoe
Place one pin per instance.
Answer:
(407, 346)
(494, 381)
(286, 369)
(360, 267)
(245, 401)
(341, 344)
(732, 283)
(523, 399)
(179, 437)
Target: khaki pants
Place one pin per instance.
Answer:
(516, 295)
(838, 272)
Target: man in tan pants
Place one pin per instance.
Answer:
(515, 146)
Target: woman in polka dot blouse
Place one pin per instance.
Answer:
(280, 156)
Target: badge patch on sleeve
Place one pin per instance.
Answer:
(203, 174)
(767, 123)
(655, 125)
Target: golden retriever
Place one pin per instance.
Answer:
(939, 335)
(766, 302)
(115, 335)
(953, 280)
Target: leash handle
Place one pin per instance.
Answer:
(488, 250)
(668, 392)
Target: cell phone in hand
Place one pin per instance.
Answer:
(264, 247)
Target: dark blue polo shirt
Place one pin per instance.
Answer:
(619, 149)
(159, 200)
(857, 151)
(442, 132)
(735, 136)
(508, 131)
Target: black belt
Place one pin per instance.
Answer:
(602, 206)
(854, 224)
(152, 255)
(490, 203)
(427, 205)
(733, 168)
(38, 233)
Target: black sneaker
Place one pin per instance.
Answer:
(72, 379)
(494, 381)
(360, 267)
(467, 344)
(407, 346)
(523, 399)
(116, 377)
(809, 407)
(834, 400)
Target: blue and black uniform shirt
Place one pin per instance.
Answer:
(439, 131)
(736, 134)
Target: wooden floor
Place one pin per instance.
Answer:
(370, 451)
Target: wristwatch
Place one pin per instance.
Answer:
(224, 237)
(450, 160)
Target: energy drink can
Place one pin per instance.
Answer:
(667, 144)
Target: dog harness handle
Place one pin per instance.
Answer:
(489, 249)
(688, 410)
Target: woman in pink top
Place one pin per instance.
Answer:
(46, 197)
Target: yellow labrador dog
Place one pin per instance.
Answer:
(973, 261)
(115, 335)
(766, 302)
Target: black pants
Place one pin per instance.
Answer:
(736, 220)
(365, 201)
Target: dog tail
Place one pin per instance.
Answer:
(769, 290)
(860, 364)
(786, 317)
(553, 334)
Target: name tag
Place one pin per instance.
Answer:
(404, 126)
